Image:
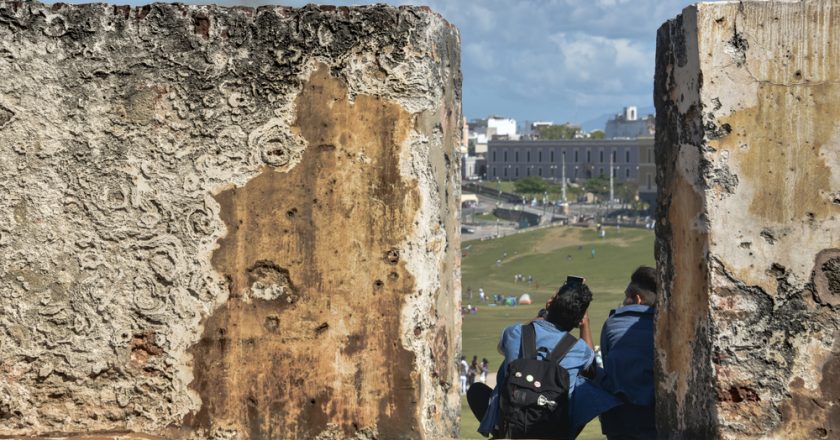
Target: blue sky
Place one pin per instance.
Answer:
(556, 60)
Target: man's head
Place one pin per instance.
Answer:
(642, 287)
(569, 304)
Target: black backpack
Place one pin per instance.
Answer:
(535, 398)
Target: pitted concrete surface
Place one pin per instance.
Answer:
(748, 330)
(228, 222)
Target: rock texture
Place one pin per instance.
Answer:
(748, 237)
(228, 223)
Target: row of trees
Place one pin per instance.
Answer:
(600, 186)
(564, 131)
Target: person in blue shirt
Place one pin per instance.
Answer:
(565, 311)
(627, 350)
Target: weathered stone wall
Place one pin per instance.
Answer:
(748, 235)
(228, 223)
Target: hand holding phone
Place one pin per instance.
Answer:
(572, 280)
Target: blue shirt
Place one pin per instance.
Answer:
(586, 400)
(627, 350)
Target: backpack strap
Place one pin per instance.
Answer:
(528, 343)
(566, 343)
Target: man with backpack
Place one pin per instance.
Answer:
(538, 384)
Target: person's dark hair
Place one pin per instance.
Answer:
(643, 283)
(569, 305)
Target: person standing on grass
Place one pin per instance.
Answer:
(463, 368)
(485, 368)
(627, 351)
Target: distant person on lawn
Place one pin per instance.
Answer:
(627, 350)
(463, 369)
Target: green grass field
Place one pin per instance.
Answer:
(553, 189)
(548, 255)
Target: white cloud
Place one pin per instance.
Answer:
(555, 55)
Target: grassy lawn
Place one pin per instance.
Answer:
(504, 185)
(487, 217)
(548, 255)
(553, 189)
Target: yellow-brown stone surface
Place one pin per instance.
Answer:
(748, 246)
(228, 223)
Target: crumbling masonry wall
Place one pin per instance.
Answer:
(228, 223)
(748, 232)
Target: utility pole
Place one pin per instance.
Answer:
(563, 173)
(612, 194)
(545, 200)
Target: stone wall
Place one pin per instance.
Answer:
(228, 223)
(748, 232)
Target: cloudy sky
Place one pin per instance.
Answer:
(556, 60)
(559, 60)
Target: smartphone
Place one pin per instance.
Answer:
(572, 280)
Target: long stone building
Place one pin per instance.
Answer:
(631, 159)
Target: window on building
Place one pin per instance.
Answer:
(615, 172)
(528, 156)
(648, 181)
(516, 172)
(588, 156)
(539, 156)
(539, 171)
(613, 157)
(627, 156)
(516, 156)
(601, 171)
(576, 155)
(601, 156)
(527, 171)
(505, 172)
(627, 173)
(494, 156)
(494, 172)
(505, 156)
(552, 155)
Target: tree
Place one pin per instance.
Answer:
(627, 191)
(555, 132)
(596, 134)
(598, 185)
(530, 185)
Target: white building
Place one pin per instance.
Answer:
(482, 131)
(627, 125)
(498, 126)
